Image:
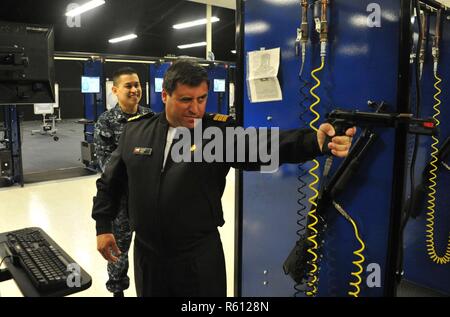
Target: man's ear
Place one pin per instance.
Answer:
(164, 96)
(114, 90)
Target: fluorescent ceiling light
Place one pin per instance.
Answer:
(194, 23)
(64, 58)
(233, 51)
(191, 45)
(129, 61)
(85, 7)
(123, 38)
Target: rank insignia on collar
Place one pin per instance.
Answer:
(142, 151)
(193, 147)
(135, 117)
(220, 117)
(142, 115)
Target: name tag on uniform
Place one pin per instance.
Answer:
(142, 151)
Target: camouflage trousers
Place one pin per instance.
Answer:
(118, 278)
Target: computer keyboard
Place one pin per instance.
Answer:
(43, 262)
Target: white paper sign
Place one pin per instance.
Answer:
(262, 70)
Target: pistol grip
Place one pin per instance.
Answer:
(325, 149)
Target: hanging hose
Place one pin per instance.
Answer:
(431, 247)
(302, 172)
(413, 141)
(313, 272)
(318, 83)
(302, 34)
(304, 95)
(301, 43)
(301, 215)
(358, 263)
(301, 207)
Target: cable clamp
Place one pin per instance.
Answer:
(445, 165)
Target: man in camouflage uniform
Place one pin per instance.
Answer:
(107, 132)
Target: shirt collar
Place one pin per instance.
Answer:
(122, 114)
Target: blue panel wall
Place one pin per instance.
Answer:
(216, 102)
(361, 66)
(418, 266)
(94, 105)
(156, 71)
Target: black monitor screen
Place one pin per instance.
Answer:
(90, 84)
(27, 73)
(219, 85)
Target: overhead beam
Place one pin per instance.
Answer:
(229, 4)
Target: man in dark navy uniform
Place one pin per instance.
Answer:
(108, 128)
(175, 207)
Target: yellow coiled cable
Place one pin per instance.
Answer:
(312, 284)
(431, 247)
(313, 279)
(358, 253)
(357, 263)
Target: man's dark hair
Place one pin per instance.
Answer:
(185, 72)
(122, 71)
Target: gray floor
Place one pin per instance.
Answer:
(41, 153)
(408, 289)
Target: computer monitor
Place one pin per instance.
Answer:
(27, 72)
(158, 84)
(219, 85)
(90, 84)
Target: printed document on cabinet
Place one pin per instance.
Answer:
(262, 70)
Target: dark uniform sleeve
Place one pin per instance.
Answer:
(110, 188)
(299, 145)
(104, 142)
(295, 146)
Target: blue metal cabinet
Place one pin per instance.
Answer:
(94, 103)
(419, 268)
(362, 65)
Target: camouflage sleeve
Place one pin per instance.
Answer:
(111, 187)
(104, 142)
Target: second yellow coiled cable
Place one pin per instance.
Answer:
(431, 247)
(312, 274)
(357, 263)
(313, 279)
(358, 253)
